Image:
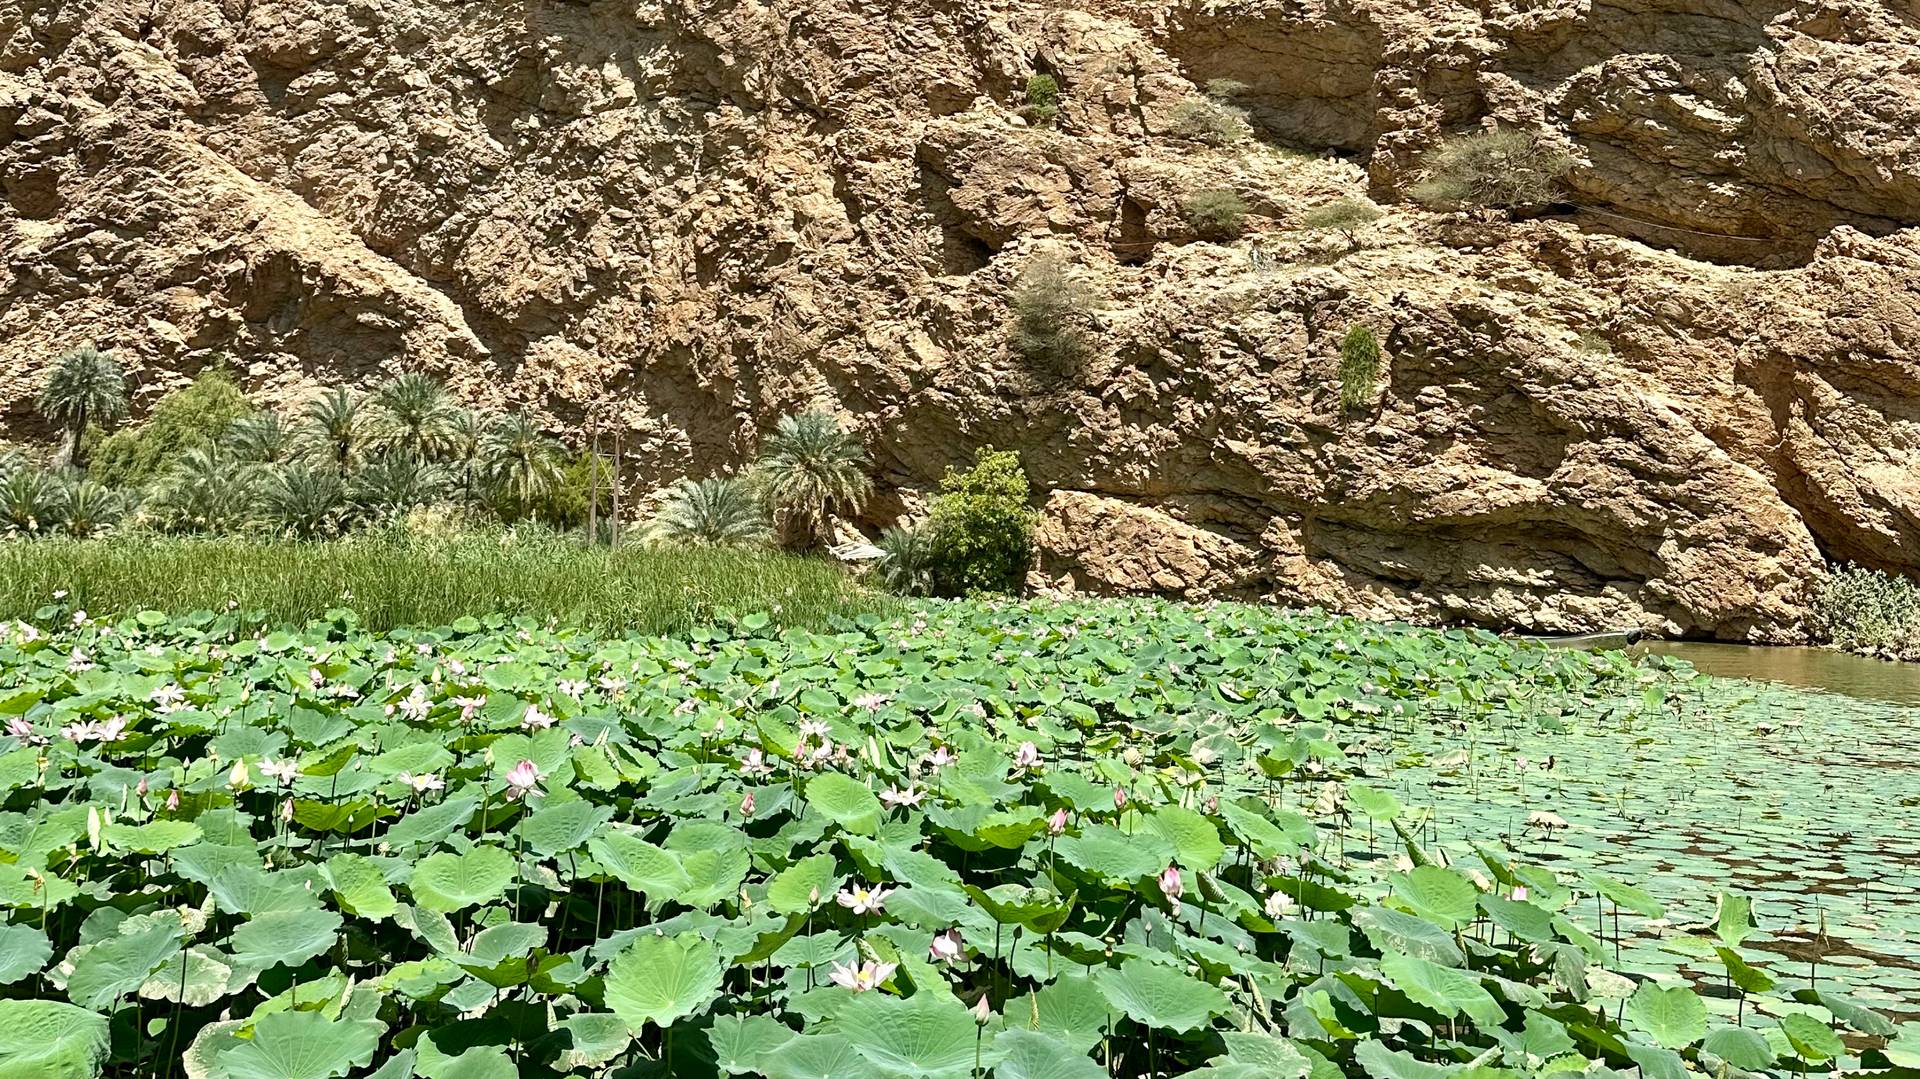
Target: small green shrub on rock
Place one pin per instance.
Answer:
(1043, 99)
(1215, 214)
(983, 527)
(1210, 122)
(1050, 312)
(1346, 216)
(1359, 367)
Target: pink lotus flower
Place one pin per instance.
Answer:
(173, 800)
(939, 758)
(947, 947)
(168, 697)
(813, 728)
(982, 1014)
(286, 811)
(864, 978)
(872, 702)
(746, 805)
(895, 798)
(861, 899)
(535, 719)
(1027, 757)
(470, 707)
(1171, 885)
(1057, 824)
(1119, 797)
(21, 729)
(756, 764)
(522, 779)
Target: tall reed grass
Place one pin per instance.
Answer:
(391, 582)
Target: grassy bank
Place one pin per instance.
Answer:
(415, 582)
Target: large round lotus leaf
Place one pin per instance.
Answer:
(1195, 841)
(661, 979)
(638, 864)
(803, 885)
(300, 1045)
(812, 1056)
(452, 882)
(119, 965)
(46, 1039)
(1447, 990)
(289, 937)
(23, 950)
(739, 1042)
(844, 801)
(1740, 1047)
(1154, 995)
(1108, 853)
(925, 1036)
(1030, 1054)
(1673, 1016)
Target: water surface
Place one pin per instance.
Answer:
(1817, 668)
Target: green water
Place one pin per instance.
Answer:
(1814, 668)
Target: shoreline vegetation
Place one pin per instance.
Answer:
(392, 580)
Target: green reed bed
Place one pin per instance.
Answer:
(411, 582)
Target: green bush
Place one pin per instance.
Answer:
(1494, 170)
(1050, 314)
(906, 559)
(196, 417)
(982, 527)
(1043, 99)
(1215, 214)
(1210, 122)
(1225, 90)
(1868, 611)
(1347, 216)
(1359, 367)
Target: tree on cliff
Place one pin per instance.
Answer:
(86, 386)
(810, 468)
(1494, 170)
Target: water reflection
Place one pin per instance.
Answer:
(1820, 668)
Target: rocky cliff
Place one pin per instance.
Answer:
(1663, 402)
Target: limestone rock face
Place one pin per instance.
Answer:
(1666, 403)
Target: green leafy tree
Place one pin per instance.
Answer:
(1346, 216)
(1359, 367)
(87, 386)
(719, 511)
(982, 526)
(413, 416)
(197, 416)
(520, 465)
(464, 454)
(334, 429)
(812, 467)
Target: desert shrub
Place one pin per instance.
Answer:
(86, 387)
(1346, 216)
(719, 511)
(1225, 90)
(206, 490)
(1868, 611)
(1050, 315)
(906, 559)
(1043, 99)
(1215, 214)
(195, 417)
(1494, 170)
(1359, 367)
(982, 526)
(810, 468)
(1210, 122)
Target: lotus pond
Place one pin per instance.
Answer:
(1031, 841)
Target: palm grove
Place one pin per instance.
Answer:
(208, 461)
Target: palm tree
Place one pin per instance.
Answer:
(208, 491)
(810, 467)
(466, 434)
(87, 385)
(719, 511)
(305, 502)
(262, 438)
(29, 500)
(519, 463)
(85, 508)
(334, 429)
(413, 416)
(395, 483)
(906, 560)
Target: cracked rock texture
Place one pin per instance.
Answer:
(1664, 403)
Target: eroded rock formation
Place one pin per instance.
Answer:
(1663, 403)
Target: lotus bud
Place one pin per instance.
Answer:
(1057, 823)
(141, 788)
(173, 800)
(1132, 757)
(981, 1013)
(239, 779)
(286, 811)
(746, 805)
(1119, 797)
(1171, 885)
